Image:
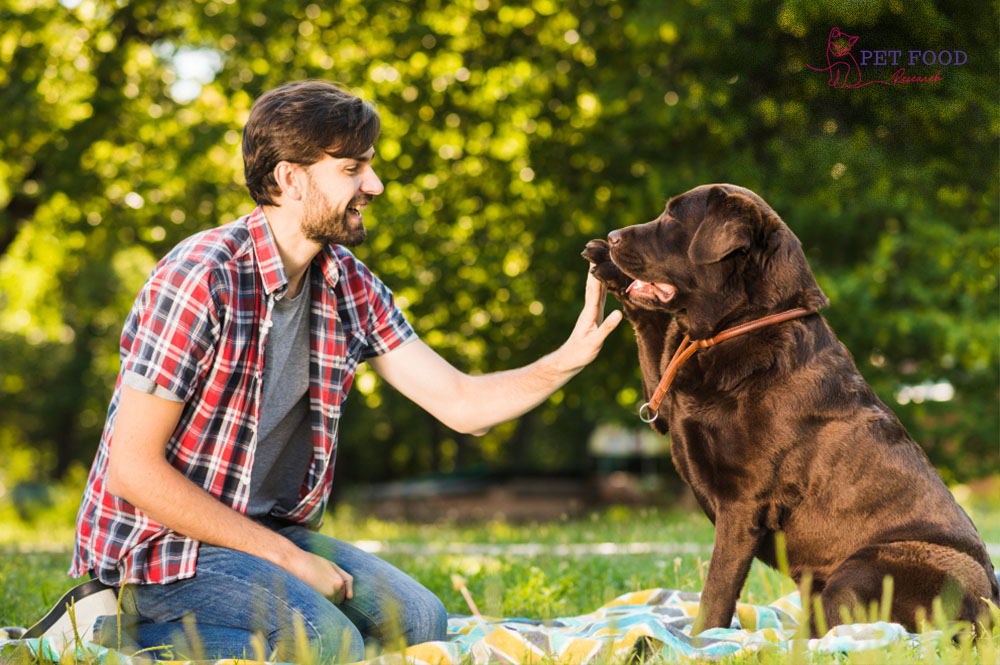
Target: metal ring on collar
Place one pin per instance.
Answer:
(649, 416)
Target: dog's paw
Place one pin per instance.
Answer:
(599, 254)
(597, 251)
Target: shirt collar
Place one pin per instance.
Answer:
(272, 270)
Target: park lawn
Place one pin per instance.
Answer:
(542, 586)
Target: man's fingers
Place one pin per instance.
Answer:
(346, 589)
(610, 323)
(594, 290)
(594, 298)
(340, 592)
(348, 586)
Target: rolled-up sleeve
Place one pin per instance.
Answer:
(387, 327)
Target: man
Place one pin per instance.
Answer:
(217, 456)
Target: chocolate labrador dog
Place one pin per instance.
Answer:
(773, 427)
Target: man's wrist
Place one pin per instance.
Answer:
(561, 364)
(278, 550)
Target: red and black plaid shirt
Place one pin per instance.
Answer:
(198, 328)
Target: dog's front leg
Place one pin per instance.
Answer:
(650, 325)
(651, 337)
(736, 540)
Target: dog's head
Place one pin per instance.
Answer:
(717, 253)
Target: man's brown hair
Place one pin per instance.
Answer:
(302, 122)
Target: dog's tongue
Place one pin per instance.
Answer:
(661, 291)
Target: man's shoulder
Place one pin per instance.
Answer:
(213, 267)
(219, 250)
(214, 247)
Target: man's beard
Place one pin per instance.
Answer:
(322, 224)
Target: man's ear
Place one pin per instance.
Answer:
(728, 226)
(290, 179)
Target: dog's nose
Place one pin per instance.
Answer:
(614, 238)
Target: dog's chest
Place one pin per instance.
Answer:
(709, 447)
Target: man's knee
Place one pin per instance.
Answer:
(329, 635)
(341, 643)
(425, 619)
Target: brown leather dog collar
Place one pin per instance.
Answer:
(648, 411)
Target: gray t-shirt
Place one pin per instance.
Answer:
(284, 432)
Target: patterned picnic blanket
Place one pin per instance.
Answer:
(654, 621)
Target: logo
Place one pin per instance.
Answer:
(844, 71)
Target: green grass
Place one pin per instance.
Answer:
(547, 586)
(541, 587)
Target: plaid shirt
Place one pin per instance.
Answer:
(198, 328)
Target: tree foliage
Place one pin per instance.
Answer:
(512, 133)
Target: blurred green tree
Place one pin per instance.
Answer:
(512, 133)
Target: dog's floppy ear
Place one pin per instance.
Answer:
(728, 226)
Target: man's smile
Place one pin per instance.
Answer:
(355, 208)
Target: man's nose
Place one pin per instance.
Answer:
(615, 238)
(372, 185)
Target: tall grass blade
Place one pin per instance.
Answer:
(819, 615)
(885, 611)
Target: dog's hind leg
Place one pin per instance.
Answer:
(920, 571)
(852, 587)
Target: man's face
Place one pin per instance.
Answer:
(338, 190)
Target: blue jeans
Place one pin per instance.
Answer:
(235, 596)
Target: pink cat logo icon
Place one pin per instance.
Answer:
(843, 68)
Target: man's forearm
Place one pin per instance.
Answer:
(490, 399)
(167, 496)
(473, 404)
